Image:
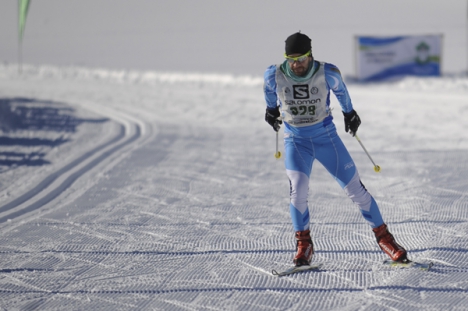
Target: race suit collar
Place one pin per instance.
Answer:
(288, 72)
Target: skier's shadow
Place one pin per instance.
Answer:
(31, 115)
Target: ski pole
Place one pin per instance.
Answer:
(376, 167)
(277, 153)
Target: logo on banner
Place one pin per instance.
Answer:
(301, 91)
(422, 50)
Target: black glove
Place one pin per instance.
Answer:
(351, 122)
(271, 116)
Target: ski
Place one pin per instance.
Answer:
(410, 264)
(297, 269)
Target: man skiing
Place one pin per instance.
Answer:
(298, 93)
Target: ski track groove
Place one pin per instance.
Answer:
(52, 177)
(238, 289)
(30, 195)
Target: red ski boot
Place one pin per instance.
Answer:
(388, 244)
(304, 248)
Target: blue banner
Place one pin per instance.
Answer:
(381, 58)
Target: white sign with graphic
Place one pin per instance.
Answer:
(380, 58)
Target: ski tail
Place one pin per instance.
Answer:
(297, 269)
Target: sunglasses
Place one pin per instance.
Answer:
(299, 59)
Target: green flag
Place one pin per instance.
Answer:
(23, 11)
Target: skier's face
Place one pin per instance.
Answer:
(298, 64)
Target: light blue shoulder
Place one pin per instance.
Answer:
(331, 69)
(270, 72)
(333, 76)
(270, 78)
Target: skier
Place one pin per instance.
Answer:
(298, 93)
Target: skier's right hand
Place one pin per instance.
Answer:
(271, 116)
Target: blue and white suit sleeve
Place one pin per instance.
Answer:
(336, 84)
(269, 87)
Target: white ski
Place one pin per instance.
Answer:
(411, 264)
(297, 269)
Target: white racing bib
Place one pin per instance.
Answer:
(303, 103)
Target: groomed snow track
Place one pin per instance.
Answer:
(195, 215)
(129, 131)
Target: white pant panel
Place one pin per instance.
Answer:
(358, 194)
(299, 189)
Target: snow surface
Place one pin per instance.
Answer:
(127, 190)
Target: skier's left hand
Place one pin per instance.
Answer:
(352, 122)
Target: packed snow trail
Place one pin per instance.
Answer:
(195, 215)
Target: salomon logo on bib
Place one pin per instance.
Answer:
(301, 91)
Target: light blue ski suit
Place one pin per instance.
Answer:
(309, 134)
